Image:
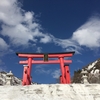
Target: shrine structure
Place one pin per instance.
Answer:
(64, 64)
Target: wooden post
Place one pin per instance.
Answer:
(67, 74)
(25, 81)
(62, 69)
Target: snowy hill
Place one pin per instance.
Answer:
(93, 70)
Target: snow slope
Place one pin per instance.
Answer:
(51, 92)
(92, 65)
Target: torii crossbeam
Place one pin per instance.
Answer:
(64, 64)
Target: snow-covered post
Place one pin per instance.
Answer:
(9, 77)
(84, 77)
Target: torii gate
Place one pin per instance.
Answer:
(64, 64)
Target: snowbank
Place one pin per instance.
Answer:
(51, 92)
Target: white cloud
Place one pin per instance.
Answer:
(56, 73)
(20, 26)
(2, 66)
(3, 45)
(88, 34)
(79, 61)
(46, 38)
(68, 45)
(10, 12)
(39, 49)
(40, 69)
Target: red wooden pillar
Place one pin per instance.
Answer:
(61, 79)
(67, 74)
(29, 70)
(62, 69)
(24, 81)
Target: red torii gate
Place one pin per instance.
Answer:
(64, 78)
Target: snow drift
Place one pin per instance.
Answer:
(51, 92)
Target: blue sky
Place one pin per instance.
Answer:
(49, 26)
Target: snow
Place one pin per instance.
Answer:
(92, 65)
(92, 71)
(96, 71)
(15, 80)
(51, 92)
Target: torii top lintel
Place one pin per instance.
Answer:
(41, 55)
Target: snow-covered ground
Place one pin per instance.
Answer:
(51, 92)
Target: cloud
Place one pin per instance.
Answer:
(10, 12)
(20, 26)
(46, 38)
(79, 61)
(3, 45)
(2, 66)
(89, 33)
(56, 73)
(40, 69)
(68, 44)
(39, 49)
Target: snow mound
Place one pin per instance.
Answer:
(51, 92)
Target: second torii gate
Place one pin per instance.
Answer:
(64, 64)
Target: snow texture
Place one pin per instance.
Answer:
(92, 65)
(15, 80)
(96, 71)
(51, 92)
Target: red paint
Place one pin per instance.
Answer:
(24, 81)
(67, 74)
(47, 62)
(62, 69)
(65, 77)
(29, 69)
(42, 55)
(61, 80)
